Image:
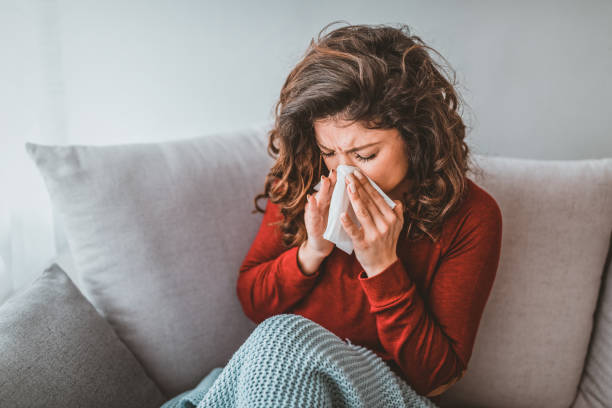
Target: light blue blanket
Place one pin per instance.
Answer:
(291, 361)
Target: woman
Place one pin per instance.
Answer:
(415, 287)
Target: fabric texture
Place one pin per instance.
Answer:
(158, 249)
(534, 336)
(292, 362)
(155, 244)
(595, 389)
(191, 398)
(428, 344)
(56, 351)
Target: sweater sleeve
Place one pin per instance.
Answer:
(432, 341)
(270, 280)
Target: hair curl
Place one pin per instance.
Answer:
(383, 77)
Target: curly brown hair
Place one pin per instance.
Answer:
(384, 78)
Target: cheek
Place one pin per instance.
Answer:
(378, 174)
(384, 171)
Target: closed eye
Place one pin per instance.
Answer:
(360, 158)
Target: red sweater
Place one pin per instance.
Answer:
(420, 315)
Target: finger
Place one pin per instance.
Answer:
(331, 179)
(333, 176)
(327, 189)
(321, 195)
(311, 203)
(398, 210)
(374, 196)
(327, 186)
(367, 199)
(360, 207)
(378, 219)
(321, 188)
(355, 233)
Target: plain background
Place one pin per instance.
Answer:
(535, 76)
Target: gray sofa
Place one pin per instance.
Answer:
(140, 302)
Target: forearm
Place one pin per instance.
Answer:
(409, 332)
(274, 286)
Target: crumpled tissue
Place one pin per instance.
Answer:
(340, 202)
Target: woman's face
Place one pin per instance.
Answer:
(381, 152)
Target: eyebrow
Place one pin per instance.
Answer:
(353, 149)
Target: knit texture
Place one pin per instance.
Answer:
(292, 361)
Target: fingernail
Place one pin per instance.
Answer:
(359, 175)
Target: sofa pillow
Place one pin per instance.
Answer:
(534, 334)
(157, 233)
(56, 350)
(595, 389)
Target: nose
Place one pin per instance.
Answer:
(344, 159)
(339, 159)
(348, 163)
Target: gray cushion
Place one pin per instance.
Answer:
(158, 232)
(533, 339)
(57, 351)
(596, 387)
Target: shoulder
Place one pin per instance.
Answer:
(273, 210)
(481, 204)
(478, 217)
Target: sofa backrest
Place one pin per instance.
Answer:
(157, 233)
(535, 331)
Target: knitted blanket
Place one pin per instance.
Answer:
(292, 361)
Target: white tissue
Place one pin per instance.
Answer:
(340, 202)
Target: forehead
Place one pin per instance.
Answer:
(346, 135)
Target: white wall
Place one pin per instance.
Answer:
(536, 76)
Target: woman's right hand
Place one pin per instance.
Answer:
(316, 212)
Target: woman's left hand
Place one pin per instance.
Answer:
(375, 242)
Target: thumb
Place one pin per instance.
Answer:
(399, 208)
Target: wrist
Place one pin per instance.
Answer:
(308, 261)
(375, 270)
(312, 251)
